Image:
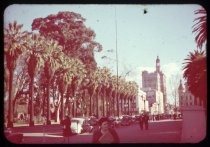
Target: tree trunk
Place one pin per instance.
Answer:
(97, 95)
(103, 102)
(48, 102)
(31, 122)
(10, 108)
(90, 113)
(61, 108)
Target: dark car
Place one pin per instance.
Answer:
(89, 124)
(126, 120)
(117, 122)
(86, 126)
(16, 138)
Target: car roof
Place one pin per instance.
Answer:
(77, 118)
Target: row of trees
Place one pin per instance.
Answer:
(54, 67)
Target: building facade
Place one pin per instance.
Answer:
(142, 104)
(186, 98)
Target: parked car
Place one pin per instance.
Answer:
(15, 138)
(93, 120)
(87, 126)
(81, 125)
(117, 122)
(126, 120)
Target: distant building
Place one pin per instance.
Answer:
(154, 85)
(155, 100)
(186, 98)
(141, 102)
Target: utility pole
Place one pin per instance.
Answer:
(116, 62)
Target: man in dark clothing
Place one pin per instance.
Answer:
(141, 122)
(146, 121)
(66, 126)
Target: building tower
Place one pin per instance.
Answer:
(162, 82)
(156, 81)
(180, 92)
(158, 64)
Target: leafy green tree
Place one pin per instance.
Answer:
(69, 30)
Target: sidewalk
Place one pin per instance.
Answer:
(164, 120)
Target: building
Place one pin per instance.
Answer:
(186, 98)
(154, 85)
(155, 100)
(142, 104)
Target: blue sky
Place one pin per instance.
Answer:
(164, 31)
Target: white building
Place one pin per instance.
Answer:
(141, 102)
(155, 100)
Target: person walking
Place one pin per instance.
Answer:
(105, 134)
(141, 121)
(146, 121)
(66, 123)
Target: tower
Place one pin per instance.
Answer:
(158, 64)
(180, 92)
(155, 81)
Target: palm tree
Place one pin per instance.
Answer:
(199, 28)
(114, 82)
(99, 80)
(96, 87)
(71, 73)
(195, 74)
(34, 63)
(195, 65)
(52, 61)
(14, 45)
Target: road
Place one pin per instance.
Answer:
(159, 132)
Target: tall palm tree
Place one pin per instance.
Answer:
(72, 71)
(199, 28)
(99, 80)
(52, 61)
(114, 82)
(96, 87)
(14, 45)
(34, 62)
(195, 73)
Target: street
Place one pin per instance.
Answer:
(167, 131)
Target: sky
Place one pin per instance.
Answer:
(138, 38)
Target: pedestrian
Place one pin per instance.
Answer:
(141, 121)
(174, 116)
(146, 121)
(66, 126)
(21, 116)
(105, 134)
